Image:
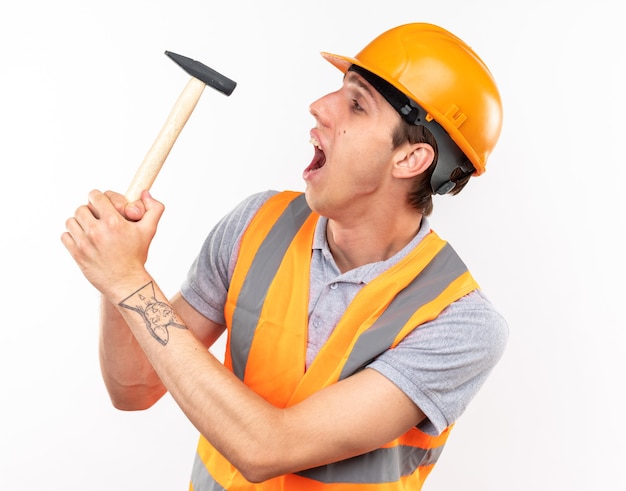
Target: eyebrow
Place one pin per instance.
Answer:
(355, 78)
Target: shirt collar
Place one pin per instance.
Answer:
(367, 272)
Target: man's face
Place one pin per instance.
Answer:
(351, 168)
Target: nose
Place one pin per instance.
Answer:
(319, 109)
(314, 108)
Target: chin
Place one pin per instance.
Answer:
(311, 200)
(308, 195)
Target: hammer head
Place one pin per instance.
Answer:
(203, 73)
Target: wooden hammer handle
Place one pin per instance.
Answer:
(154, 159)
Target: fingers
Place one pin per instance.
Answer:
(105, 204)
(85, 216)
(113, 207)
(99, 203)
(69, 237)
(77, 227)
(118, 200)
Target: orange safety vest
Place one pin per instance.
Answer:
(267, 317)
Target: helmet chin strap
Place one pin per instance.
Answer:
(450, 157)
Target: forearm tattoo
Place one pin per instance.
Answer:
(157, 315)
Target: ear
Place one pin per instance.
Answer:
(413, 159)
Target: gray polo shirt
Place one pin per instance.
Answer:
(440, 366)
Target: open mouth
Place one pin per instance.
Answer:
(319, 158)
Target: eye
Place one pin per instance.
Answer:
(356, 106)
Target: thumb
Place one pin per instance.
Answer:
(134, 211)
(154, 208)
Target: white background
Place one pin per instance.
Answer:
(84, 90)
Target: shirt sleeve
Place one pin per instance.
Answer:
(208, 279)
(442, 364)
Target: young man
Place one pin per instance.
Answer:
(356, 336)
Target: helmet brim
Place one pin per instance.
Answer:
(343, 62)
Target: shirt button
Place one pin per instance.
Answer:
(333, 286)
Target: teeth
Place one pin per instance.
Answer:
(313, 141)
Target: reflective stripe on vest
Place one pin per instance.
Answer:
(378, 466)
(272, 269)
(442, 270)
(201, 480)
(260, 275)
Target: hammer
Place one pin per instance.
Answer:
(201, 75)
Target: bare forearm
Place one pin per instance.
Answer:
(128, 375)
(214, 400)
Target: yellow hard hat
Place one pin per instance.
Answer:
(443, 75)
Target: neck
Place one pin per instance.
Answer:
(354, 245)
